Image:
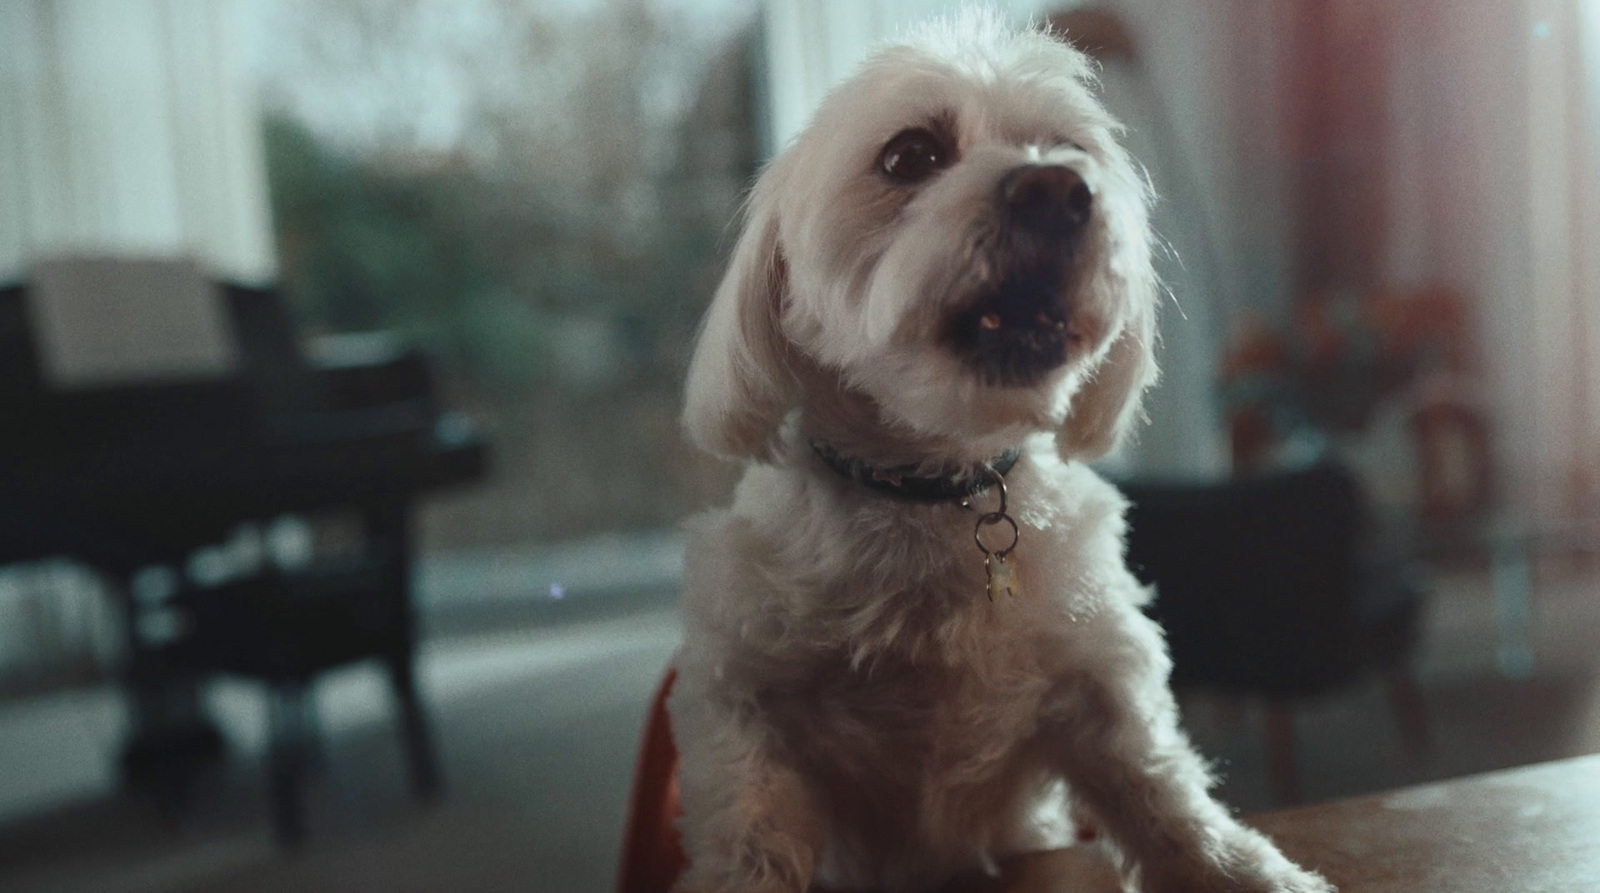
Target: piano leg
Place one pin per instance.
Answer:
(420, 753)
(169, 734)
(169, 740)
(388, 526)
(288, 756)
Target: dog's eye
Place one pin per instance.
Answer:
(914, 155)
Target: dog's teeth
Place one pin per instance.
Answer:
(989, 321)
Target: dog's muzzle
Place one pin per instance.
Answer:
(1019, 326)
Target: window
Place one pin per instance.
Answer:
(539, 194)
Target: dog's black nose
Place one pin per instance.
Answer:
(1048, 198)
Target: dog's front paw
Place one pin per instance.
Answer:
(1247, 862)
(1285, 877)
(745, 870)
(766, 886)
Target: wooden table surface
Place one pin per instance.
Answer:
(1530, 830)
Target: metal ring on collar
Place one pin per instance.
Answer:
(991, 519)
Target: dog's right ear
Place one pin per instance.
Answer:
(739, 386)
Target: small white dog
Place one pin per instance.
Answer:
(945, 279)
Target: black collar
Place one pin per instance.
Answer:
(903, 482)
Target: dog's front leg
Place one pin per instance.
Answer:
(1113, 733)
(749, 823)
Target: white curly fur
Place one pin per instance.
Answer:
(851, 711)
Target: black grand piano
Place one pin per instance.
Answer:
(131, 478)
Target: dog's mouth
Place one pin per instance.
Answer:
(1015, 333)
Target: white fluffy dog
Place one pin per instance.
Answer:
(948, 268)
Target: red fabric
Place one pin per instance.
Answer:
(652, 857)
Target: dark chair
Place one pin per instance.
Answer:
(1269, 588)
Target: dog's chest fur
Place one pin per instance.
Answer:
(920, 746)
(900, 748)
(913, 711)
(859, 631)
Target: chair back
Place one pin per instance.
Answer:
(1256, 579)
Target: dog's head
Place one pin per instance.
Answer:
(958, 237)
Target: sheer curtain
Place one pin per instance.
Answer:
(1586, 247)
(128, 127)
(1495, 182)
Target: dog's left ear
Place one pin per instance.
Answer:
(739, 386)
(1106, 406)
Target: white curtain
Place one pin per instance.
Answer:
(127, 128)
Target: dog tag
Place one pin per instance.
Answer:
(997, 562)
(1002, 574)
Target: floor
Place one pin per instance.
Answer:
(538, 716)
